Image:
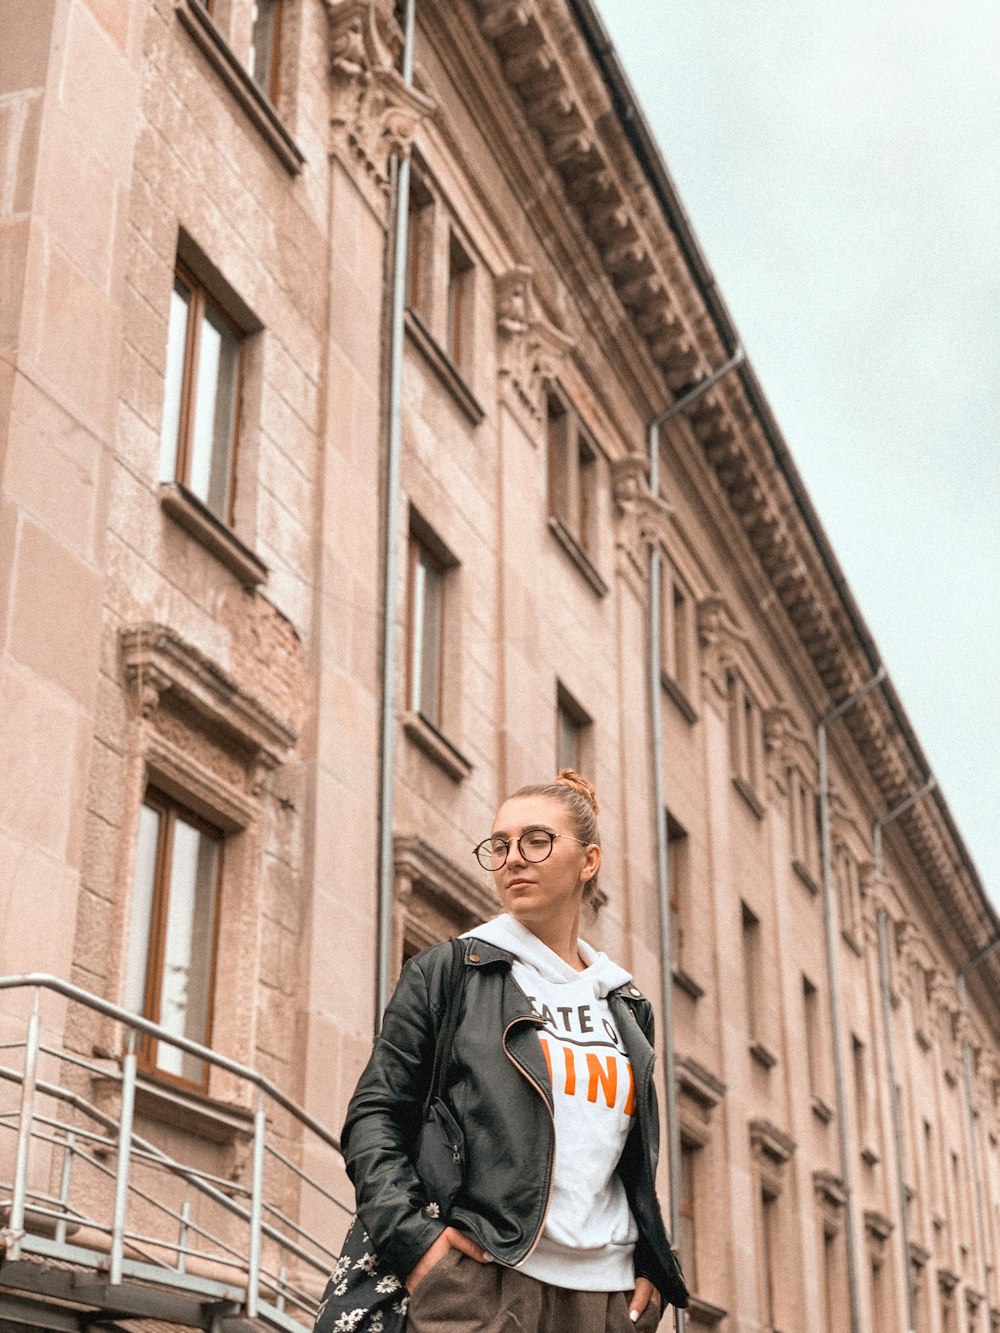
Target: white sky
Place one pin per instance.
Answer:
(841, 168)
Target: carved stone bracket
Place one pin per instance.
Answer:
(784, 746)
(373, 113)
(532, 349)
(721, 641)
(643, 518)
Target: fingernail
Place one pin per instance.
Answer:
(634, 1316)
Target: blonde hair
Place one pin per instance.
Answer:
(580, 798)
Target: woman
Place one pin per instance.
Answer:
(557, 1228)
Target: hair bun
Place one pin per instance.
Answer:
(568, 777)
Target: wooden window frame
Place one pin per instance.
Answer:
(422, 551)
(568, 708)
(200, 299)
(273, 84)
(169, 809)
(458, 303)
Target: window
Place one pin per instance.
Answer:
(171, 942)
(572, 469)
(265, 47)
(845, 873)
(805, 839)
(815, 1049)
(859, 1062)
(688, 1236)
(745, 739)
(678, 630)
(677, 874)
(753, 978)
(834, 1296)
(572, 725)
(419, 242)
(198, 438)
(458, 329)
(770, 1253)
(427, 596)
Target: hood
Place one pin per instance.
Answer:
(506, 933)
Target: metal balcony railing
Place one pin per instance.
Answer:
(219, 1214)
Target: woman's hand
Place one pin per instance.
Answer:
(449, 1239)
(644, 1293)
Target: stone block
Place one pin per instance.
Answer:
(9, 519)
(73, 172)
(53, 468)
(113, 17)
(77, 339)
(38, 743)
(99, 89)
(34, 940)
(56, 616)
(27, 34)
(15, 239)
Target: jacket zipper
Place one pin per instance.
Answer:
(541, 1092)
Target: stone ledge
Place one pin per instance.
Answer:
(821, 1110)
(197, 21)
(676, 692)
(195, 517)
(425, 736)
(805, 875)
(577, 554)
(443, 367)
(763, 1054)
(686, 982)
(749, 795)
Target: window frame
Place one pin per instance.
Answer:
(201, 300)
(746, 740)
(421, 552)
(169, 809)
(271, 87)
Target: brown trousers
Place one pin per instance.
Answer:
(460, 1295)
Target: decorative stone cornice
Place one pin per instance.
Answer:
(721, 641)
(769, 1142)
(162, 668)
(544, 61)
(643, 518)
(373, 113)
(531, 348)
(829, 1191)
(419, 865)
(878, 1227)
(785, 747)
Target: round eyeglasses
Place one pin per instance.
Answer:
(534, 845)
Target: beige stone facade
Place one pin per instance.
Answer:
(197, 643)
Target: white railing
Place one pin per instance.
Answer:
(213, 1211)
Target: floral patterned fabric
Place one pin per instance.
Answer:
(362, 1296)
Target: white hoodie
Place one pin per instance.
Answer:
(589, 1235)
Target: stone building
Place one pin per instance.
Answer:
(197, 241)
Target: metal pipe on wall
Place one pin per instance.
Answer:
(660, 809)
(397, 328)
(890, 1050)
(830, 920)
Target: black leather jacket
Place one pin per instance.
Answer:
(500, 1092)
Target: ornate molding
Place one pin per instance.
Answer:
(721, 641)
(373, 113)
(531, 348)
(162, 668)
(769, 1143)
(643, 518)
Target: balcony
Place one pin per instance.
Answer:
(125, 1198)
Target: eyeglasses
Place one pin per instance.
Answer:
(535, 845)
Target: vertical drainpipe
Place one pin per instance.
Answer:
(970, 1112)
(383, 959)
(660, 809)
(830, 920)
(890, 1050)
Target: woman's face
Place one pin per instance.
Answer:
(542, 891)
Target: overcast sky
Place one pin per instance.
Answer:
(841, 167)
